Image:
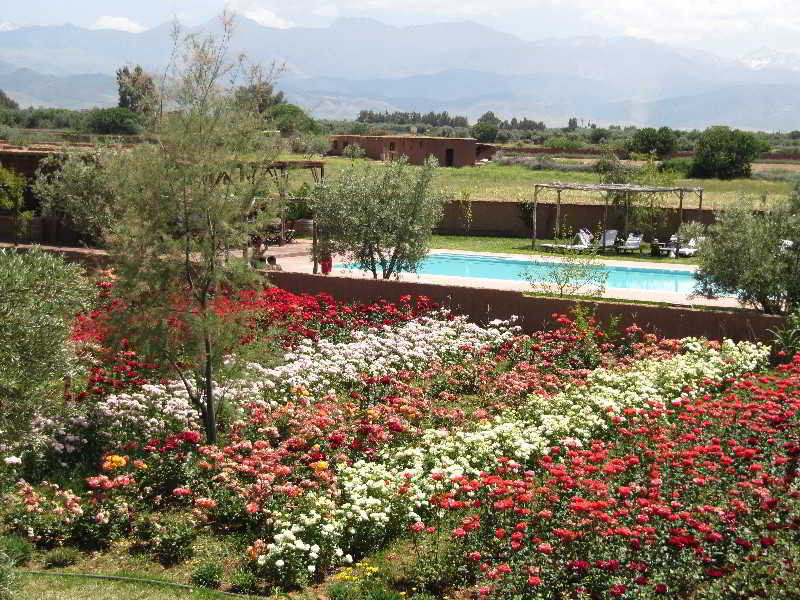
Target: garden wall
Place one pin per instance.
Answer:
(482, 305)
(503, 218)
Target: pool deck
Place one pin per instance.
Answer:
(296, 258)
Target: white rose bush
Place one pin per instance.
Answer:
(574, 462)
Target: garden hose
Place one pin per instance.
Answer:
(131, 580)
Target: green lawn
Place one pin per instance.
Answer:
(506, 245)
(48, 587)
(515, 182)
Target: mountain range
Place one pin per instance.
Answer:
(462, 67)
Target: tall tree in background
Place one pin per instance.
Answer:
(259, 96)
(6, 102)
(137, 91)
(185, 204)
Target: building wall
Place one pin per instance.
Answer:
(417, 149)
(483, 305)
(504, 219)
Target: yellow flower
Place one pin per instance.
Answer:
(319, 466)
(114, 462)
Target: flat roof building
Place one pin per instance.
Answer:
(450, 152)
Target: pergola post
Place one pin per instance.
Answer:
(558, 213)
(605, 214)
(627, 211)
(680, 207)
(533, 216)
(314, 246)
(700, 206)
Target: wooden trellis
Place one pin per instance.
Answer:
(619, 188)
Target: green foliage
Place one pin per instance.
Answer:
(564, 143)
(137, 92)
(6, 102)
(484, 132)
(489, 118)
(244, 582)
(661, 142)
(39, 295)
(571, 274)
(380, 218)
(290, 120)
(598, 135)
(208, 574)
(259, 96)
(572, 124)
(362, 590)
(725, 153)
(787, 338)
(681, 166)
(8, 579)
(115, 121)
(171, 543)
(745, 254)
(310, 145)
(77, 186)
(643, 210)
(12, 199)
(354, 151)
(61, 557)
(17, 549)
(184, 206)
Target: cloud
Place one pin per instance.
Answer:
(119, 23)
(258, 12)
(326, 10)
(6, 26)
(690, 20)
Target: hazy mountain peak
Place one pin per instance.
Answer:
(769, 58)
(358, 23)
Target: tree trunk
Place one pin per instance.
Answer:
(210, 415)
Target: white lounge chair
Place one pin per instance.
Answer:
(582, 241)
(609, 239)
(690, 249)
(634, 242)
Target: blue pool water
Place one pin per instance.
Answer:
(487, 267)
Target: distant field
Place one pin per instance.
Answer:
(514, 182)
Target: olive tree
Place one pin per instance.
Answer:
(379, 217)
(185, 205)
(76, 186)
(39, 296)
(754, 255)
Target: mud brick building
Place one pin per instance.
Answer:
(450, 152)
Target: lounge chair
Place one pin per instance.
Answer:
(609, 240)
(634, 242)
(690, 249)
(582, 241)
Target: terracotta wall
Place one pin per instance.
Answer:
(483, 305)
(417, 149)
(504, 219)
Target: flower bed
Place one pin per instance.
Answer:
(525, 465)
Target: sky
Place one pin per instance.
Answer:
(729, 28)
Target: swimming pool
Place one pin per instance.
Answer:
(489, 267)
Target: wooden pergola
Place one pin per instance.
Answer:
(280, 169)
(617, 188)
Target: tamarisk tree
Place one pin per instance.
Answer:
(185, 204)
